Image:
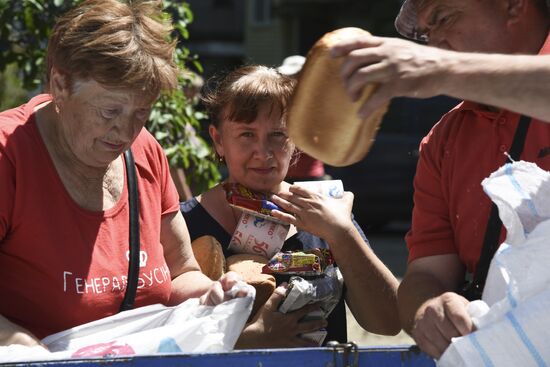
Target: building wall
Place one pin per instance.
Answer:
(217, 19)
(264, 36)
(226, 33)
(216, 35)
(297, 24)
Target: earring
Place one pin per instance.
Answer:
(220, 158)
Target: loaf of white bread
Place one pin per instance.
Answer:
(322, 120)
(209, 255)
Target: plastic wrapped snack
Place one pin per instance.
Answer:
(311, 262)
(253, 202)
(325, 290)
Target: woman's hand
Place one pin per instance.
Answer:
(273, 329)
(228, 287)
(11, 333)
(315, 213)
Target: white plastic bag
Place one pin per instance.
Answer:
(186, 328)
(514, 330)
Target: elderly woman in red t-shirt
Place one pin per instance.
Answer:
(64, 197)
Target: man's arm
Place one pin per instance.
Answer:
(519, 83)
(429, 309)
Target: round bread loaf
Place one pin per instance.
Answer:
(322, 120)
(250, 267)
(209, 255)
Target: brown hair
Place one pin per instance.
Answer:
(118, 44)
(240, 95)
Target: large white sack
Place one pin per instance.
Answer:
(515, 331)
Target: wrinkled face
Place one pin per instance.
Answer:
(257, 154)
(98, 124)
(465, 25)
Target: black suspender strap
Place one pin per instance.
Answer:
(519, 138)
(133, 259)
(494, 224)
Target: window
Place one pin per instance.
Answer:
(224, 4)
(260, 12)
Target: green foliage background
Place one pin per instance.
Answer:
(25, 26)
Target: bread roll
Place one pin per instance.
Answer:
(250, 267)
(322, 119)
(209, 255)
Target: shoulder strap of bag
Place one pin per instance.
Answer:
(494, 225)
(133, 263)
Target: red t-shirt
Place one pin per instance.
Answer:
(306, 167)
(450, 207)
(62, 265)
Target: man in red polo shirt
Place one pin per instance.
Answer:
(451, 211)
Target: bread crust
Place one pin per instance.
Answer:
(250, 266)
(322, 120)
(209, 254)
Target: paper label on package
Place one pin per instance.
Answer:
(259, 236)
(331, 188)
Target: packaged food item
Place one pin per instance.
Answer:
(331, 188)
(325, 290)
(252, 202)
(258, 235)
(317, 336)
(311, 262)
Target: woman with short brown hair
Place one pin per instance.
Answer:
(248, 128)
(64, 197)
